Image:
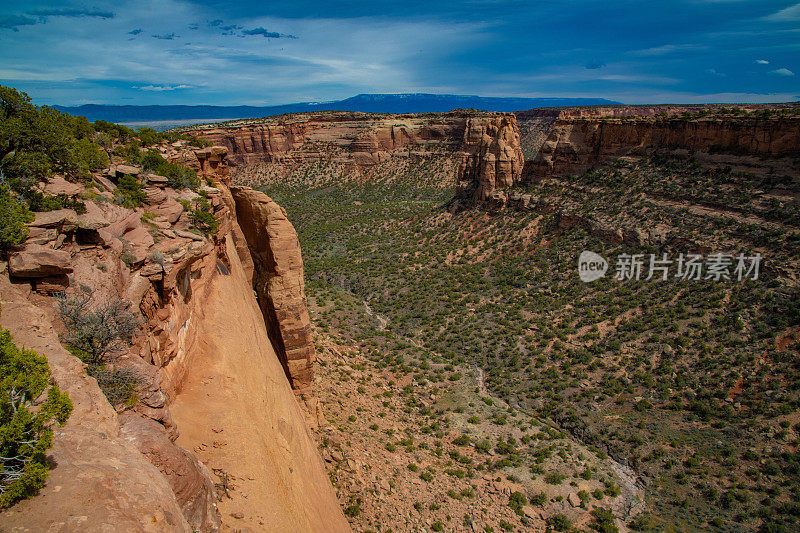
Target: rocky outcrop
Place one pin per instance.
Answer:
(99, 480)
(213, 162)
(278, 281)
(128, 466)
(189, 478)
(492, 158)
(570, 141)
(37, 261)
(357, 139)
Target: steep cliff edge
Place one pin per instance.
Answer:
(100, 481)
(478, 153)
(140, 464)
(237, 412)
(278, 281)
(492, 159)
(570, 141)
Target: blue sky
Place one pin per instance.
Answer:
(265, 53)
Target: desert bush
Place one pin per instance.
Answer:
(26, 420)
(554, 478)
(203, 218)
(129, 192)
(178, 176)
(118, 384)
(517, 501)
(97, 333)
(559, 522)
(13, 216)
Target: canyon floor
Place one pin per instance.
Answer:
(412, 304)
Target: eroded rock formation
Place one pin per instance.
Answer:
(483, 149)
(138, 471)
(492, 158)
(278, 281)
(359, 139)
(570, 141)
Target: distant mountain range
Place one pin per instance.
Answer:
(373, 103)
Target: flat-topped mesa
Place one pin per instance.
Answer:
(492, 159)
(358, 139)
(570, 141)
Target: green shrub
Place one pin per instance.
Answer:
(603, 521)
(462, 440)
(539, 499)
(554, 478)
(203, 218)
(97, 333)
(118, 384)
(34, 141)
(26, 433)
(129, 192)
(178, 176)
(559, 522)
(517, 501)
(13, 216)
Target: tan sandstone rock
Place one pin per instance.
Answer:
(279, 284)
(37, 261)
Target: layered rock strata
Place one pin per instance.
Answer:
(492, 159)
(131, 459)
(570, 141)
(278, 281)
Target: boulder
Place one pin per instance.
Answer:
(189, 478)
(574, 500)
(154, 195)
(91, 221)
(140, 241)
(121, 170)
(128, 223)
(170, 209)
(65, 219)
(105, 183)
(158, 181)
(59, 185)
(37, 261)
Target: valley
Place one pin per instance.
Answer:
(691, 385)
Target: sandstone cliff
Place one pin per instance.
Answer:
(278, 281)
(492, 158)
(481, 151)
(569, 141)
(213, 404)
(359, 139)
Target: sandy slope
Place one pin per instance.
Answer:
(237, 412)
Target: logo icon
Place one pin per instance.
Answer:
(591, 266)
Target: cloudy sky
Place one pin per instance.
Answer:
(263, 52)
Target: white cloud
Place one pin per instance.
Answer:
(791, 13)
(159, 88)
(666, 49)
(331, 58)
(782, 72)
(762, 61)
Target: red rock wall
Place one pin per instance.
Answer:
(573, 145)
(492, 158)
(278, 281)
